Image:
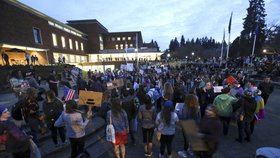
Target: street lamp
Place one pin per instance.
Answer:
(186, 57)
(168, 55)
(264, 51)
(192, 53)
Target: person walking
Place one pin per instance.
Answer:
(52, 108)
(75, 126)
(165, 122)
(147, 116)
(210, 131)
(120, 123)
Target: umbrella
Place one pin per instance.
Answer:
(15, 50)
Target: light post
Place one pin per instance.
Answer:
(192, 55)
(264, 51)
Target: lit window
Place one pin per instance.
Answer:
(82, 46)
(63, 42)
(113, 39)
(117, 46)
(123, 38)
(118, 38)
(131, 45)
(129, 38)
(77, 45)
(54, 39)
(100, 38)
(70, 44)
(37, 35)
(126, 45)
(101, 46)
(121, 46)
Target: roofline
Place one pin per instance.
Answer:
(124, 32)
(86, 21)
(40, 14)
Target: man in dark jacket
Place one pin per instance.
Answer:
(267, 88)
(246, 107)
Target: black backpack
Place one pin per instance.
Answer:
(16, 111)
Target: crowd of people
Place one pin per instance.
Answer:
(147, 99)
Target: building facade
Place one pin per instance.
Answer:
(26, 32)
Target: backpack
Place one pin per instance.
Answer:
(16, 111)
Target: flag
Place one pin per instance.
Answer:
(229, 25)
(68, 93)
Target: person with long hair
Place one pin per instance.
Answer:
(167, 95)
(75, 126)
(52, 108)
(147, 115)
(190, 111)
(118, 117)
(165, 122)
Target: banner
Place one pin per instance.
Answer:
(90, 98)
(129, 67)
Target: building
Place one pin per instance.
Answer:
(26, 32)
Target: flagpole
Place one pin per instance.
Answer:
(254, 44)
(228, 44)
(229, 30)
(222, 49)
(137, 50)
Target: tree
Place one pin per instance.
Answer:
(273, 39)
(156, 45)
(254, 24)
(182, 43)
(176, 44)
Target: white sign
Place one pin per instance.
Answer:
(218, 89)
(129, 67)
(141, 72)
(123, 67)
(158, 70)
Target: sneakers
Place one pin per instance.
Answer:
(183, 154)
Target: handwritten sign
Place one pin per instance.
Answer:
(90, 98)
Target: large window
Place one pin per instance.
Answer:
(77, 45)
(54, 39)
(82, 46)
(129, 38)
(131, 45)
(117, 46)
(113, 39)
(123, 38)
(121, 46)
(37, 35)
(63, 42)
(70, 44)
(118, 38)
(101, 46)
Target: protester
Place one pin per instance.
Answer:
(259, 110)
(75, 126)
(246, 107)
(53, 82)
(165, 122)
(147, 115)
(210, 130)
(223, 103)
(52, 108)
(190, 112)
(207, 97)
(267, 88)
(12, 138)
(121, 126)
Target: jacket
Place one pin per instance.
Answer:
(247, 106)
(17, 141)
(223, 103)
(52, 111)
(266, 88)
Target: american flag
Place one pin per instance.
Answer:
(68, 93)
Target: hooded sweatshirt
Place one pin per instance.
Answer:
(223, 103)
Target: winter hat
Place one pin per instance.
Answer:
(248, 93)
(168, 103)
(3, 109)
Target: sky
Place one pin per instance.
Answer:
(160, 20)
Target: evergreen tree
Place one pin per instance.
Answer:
(254, 24)
(182, 43)
(171, 46)
(176, 44)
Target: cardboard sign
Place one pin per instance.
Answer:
(129, 67)
(115, 84)
(190, 130)
(218, 89)
(90, 98)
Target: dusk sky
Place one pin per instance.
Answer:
(160, 20)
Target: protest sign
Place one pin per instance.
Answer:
(90, 98)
